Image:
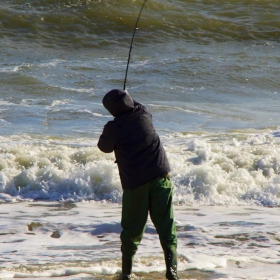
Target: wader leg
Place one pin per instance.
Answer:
(126, 266)
(170, 256)
(161, 212)
(135, 207)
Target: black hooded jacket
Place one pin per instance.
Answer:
(131, 135)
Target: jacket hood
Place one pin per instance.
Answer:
(118, 102)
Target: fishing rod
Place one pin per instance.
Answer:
(129, 55)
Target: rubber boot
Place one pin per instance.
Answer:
(126, 268)
(170, 256)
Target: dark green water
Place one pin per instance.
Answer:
(201, 65)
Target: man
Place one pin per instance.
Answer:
(143, 169)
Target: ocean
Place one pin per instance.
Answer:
(208, 70)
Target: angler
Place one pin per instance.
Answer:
(144, 173)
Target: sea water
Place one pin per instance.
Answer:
(209, 73)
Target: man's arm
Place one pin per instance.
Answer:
(106, 140)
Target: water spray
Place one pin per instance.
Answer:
(129, 55)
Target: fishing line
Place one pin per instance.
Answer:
(135, 28)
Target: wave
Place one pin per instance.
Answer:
(99, 23)
(239, 168)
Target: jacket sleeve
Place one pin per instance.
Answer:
(106, 140)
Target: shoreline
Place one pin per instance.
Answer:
(81, 241)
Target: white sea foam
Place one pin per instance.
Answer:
(93, 113)
(232, 169)
(83, 90)
(9, 69)
(102, 116)
(6, 103)
(52, 63)
(82, 240)
(4, 121)
(174, 108)
(60, 102)
(16, 68)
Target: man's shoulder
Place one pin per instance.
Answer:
(110, 125)
(141, 108)
(110, 122)
(139, 105)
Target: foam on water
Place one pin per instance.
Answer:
(83, 90)
(5, 103)
(94, 114)
(207, 169)
(73, 239)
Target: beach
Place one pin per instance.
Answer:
(81, 241)
(208, 71)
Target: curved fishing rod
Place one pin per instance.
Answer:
(135, 28)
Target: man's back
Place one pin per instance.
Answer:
(138, 150)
